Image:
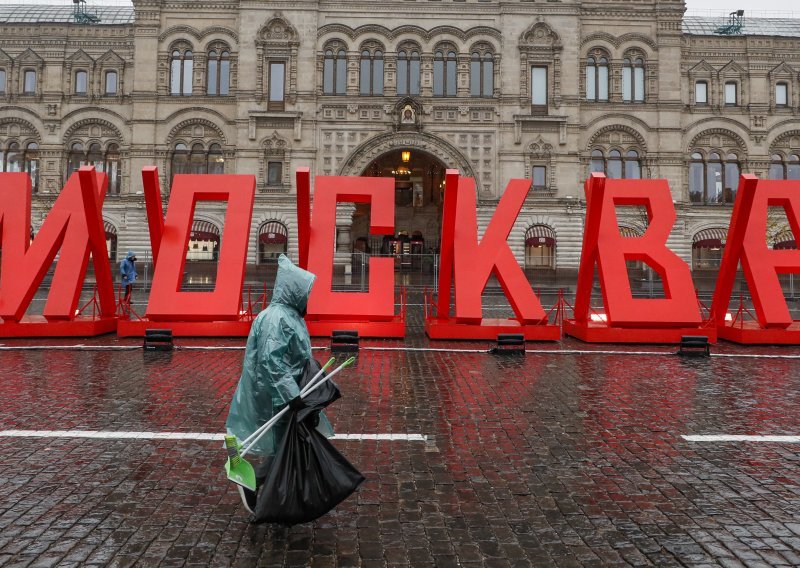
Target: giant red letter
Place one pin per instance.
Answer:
(475, 261)
(603, 244)
(747, 242)
(167, 301)
(324, 303)
(73, 228)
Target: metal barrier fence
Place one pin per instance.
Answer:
(418, 273)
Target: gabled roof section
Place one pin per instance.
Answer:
(780, 27)
(80, 56)
(110, 57)
(63, 13)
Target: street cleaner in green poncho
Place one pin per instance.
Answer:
(277, 351)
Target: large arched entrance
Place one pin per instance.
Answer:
(417, 161)
(418, 197)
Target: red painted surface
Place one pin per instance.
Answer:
(475, 261)
(446, 242)
(73, 229)
(155, 211)
(79, 326)
(599, 332)
(167, 302)
(604, 246)
(751, 333)
(470, 262)
(488, 329)
(377, 304)
(629, 319)
(136, 328)
(761, 266)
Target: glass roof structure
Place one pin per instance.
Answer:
(783, 27)
(36, 13)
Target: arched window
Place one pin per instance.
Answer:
(334, 73)
(597, 78)
(615, 165)
(197, 160)
(273, 240)
(81, 154)
(216, 160)
(371, 72)
(633, 80)
(14, 158)
(408, 73)
(444, 74)
(181, 72)
(112, 169)
(31, 160)
(785, 168)
(203, 241)
(219, 72)
(712, 178)
(111, 241)
(180, 159)
(598, 163)
(111, 83)
(94, 156)
(76, 159)
(481, 75)
(708, 246)
(633, 168)
(81, 82)
(540, 247)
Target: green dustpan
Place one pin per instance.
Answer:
(238, 469)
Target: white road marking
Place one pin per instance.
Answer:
(740, 438)
(124, 435)
(82, 347)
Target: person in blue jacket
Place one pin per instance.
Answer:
(127, 272)
(277, 350)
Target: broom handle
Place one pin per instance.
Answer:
(324, 368)
(263, 430)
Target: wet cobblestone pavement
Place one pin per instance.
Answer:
(563, 459)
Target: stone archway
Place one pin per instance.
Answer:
(358, 160)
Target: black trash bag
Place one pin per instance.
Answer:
(318, 399)
(307, 477)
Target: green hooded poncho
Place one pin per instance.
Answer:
(277, 350)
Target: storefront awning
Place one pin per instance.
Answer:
(273, 233)
(540, 236)
(785, 241)
(204, 231)
(111, 230)
(710, 238)
(629, 232)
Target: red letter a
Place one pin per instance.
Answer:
(747, 242)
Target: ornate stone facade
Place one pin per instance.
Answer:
(497, 89)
